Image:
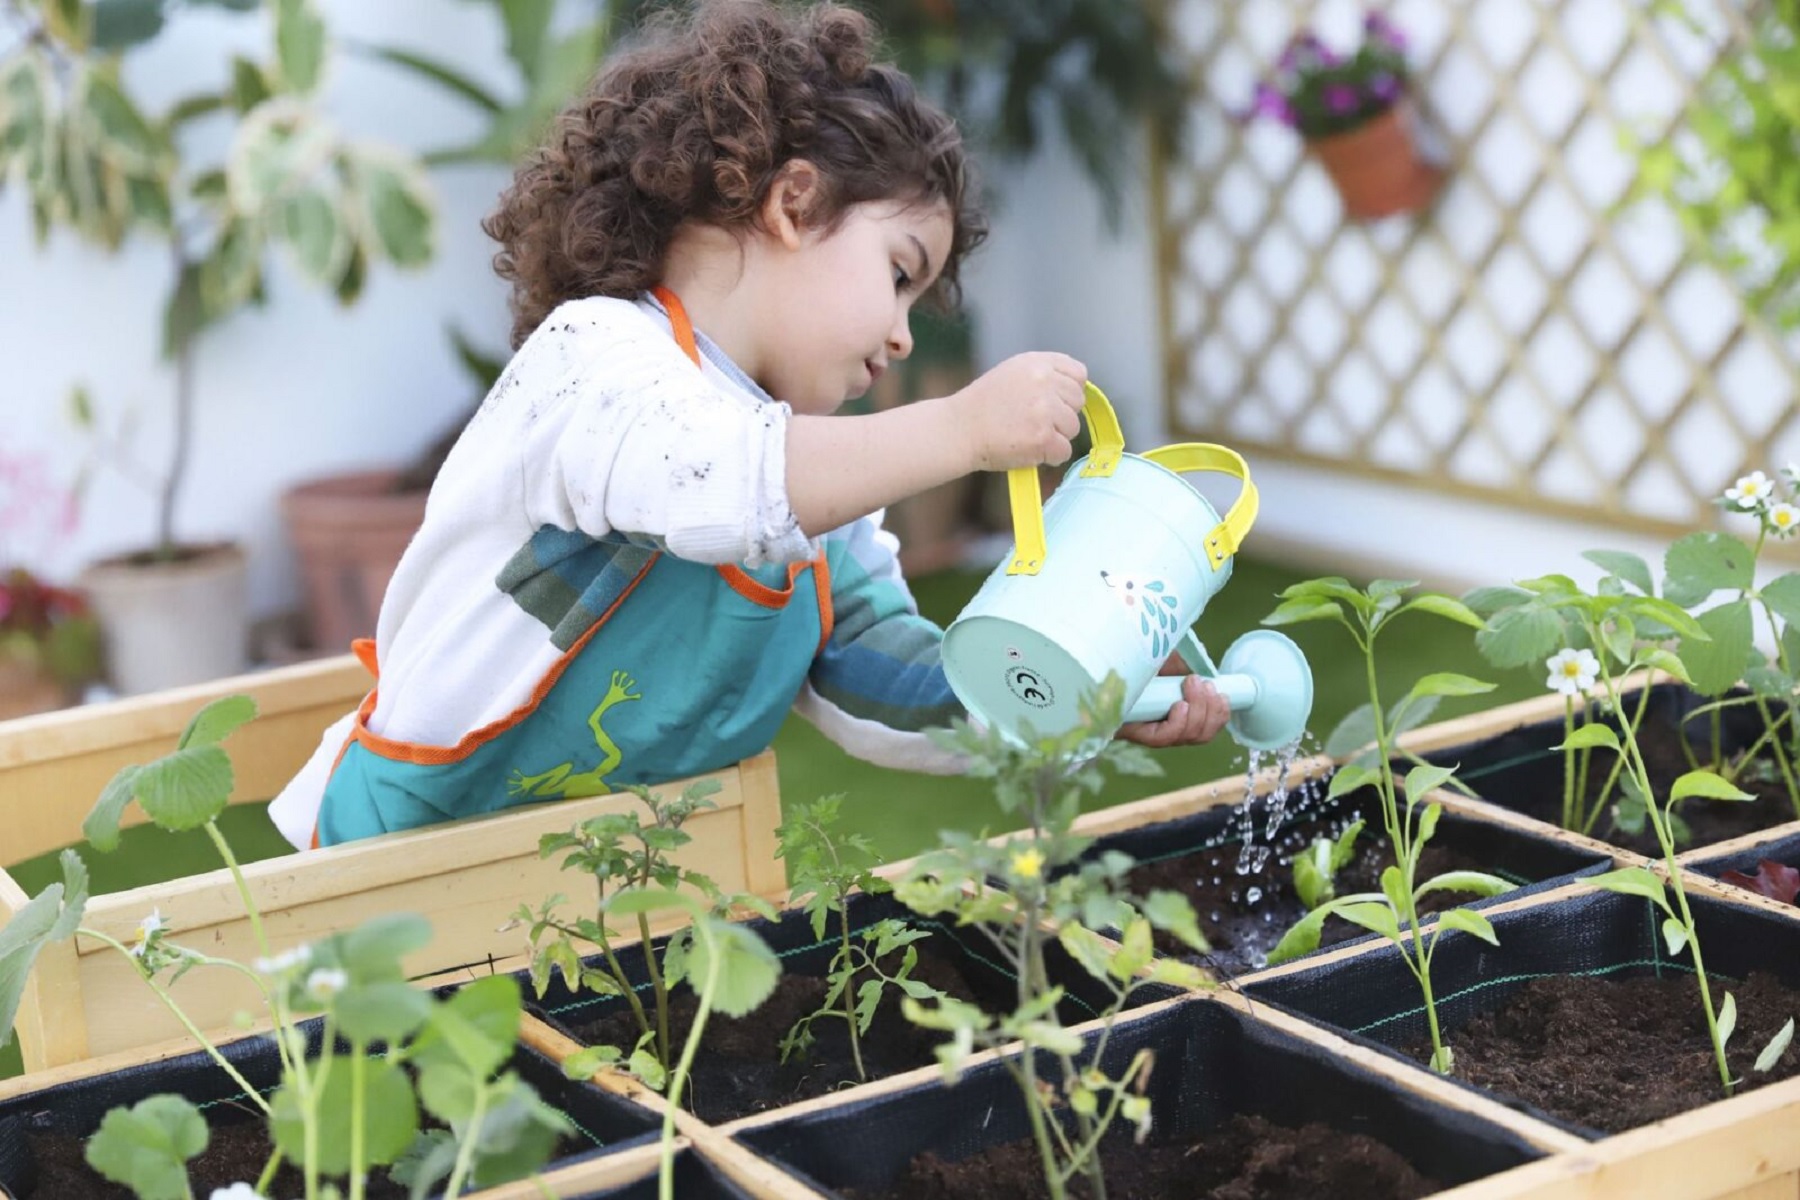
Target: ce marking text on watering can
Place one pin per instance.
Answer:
(1109, 578)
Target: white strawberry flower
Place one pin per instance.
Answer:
(1572, 671)
(284, 962)
(148, 928)
(237, 1191)
(1783, 519)
(1751, 491)
(326, 982)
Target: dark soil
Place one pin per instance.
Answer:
(1709, 821)
(1242, 931)
(739, 1069)
(1613, 1055)
(234, 1153)
(1248, 1159)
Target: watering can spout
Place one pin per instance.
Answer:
(1263, 677)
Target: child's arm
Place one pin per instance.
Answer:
(1021, 413)
(878, 682)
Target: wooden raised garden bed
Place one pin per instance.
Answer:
(1329, 1039)
(84, 1000)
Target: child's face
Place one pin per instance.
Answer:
(838, 303)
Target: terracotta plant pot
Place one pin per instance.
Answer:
(1376, 166)
(349, 532)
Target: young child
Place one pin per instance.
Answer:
(654, 540)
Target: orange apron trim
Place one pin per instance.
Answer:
(822, 584)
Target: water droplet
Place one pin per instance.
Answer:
(1253, 895)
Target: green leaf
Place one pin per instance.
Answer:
(1634, 881)
(1377, 918)
(1777, 1046)
(1312, 881)
(1706, 784)
(1351, 734)
(147, 1147)
(475, 1030)
(398, 208)
(1486, 601)
(380, 1012)
(1084, 946)
(527, 28)
(583, 1064)
(1675, 934)
(1424, 779)
(1468, 921)
(122, 24)
(1715, 665)
(309, 222)
(1393, 886)
(1595, 734)
(1344, 849)
(1521, 637)
(218, 721)
(1700, 564)
(299, 45)
(1444, 606)
(1349, 778)
(101, 828)
(1782, 595)
(741, 967)
(1172, 913)
(1428, 824)
(1179, 974)
(1668, 615)
(1479, 883)
(444, 76)
(50, 916)
(1448, 683)
(1666, 662)
(249, 86)
(1296, 612)
(122, 134)
(390, 1121)
(1303, 938)
(186, 789)
(1628, 567)
(1727, 1022)
(1134, 952)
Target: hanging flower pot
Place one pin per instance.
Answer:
(1376, 166)
(1355, 116)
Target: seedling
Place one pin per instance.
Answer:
(1046, 890)
(1316, 867)
(824, 870)
(1392, 912)
(1617, 622)
(334, 1115)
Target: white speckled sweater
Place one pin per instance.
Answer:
(602, 426)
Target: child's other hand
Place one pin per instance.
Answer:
(1025, 411)
(1197, 717)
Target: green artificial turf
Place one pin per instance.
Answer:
(902, 812)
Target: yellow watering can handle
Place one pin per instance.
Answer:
(1221, 542)
(1028, 501)
(1225, 538)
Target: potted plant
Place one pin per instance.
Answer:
(1355, 116)
(92, 159)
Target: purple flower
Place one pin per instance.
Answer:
(1340, 98)
(1385, 88)
(1269, 102)
(1377, 26)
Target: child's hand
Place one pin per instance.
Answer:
(1197, 717)
(1024, 412)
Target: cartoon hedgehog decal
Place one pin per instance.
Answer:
(1154, 605)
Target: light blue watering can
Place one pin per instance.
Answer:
(1109, 577)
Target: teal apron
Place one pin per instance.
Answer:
(689, 668)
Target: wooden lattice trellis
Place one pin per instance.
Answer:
(1527, 339)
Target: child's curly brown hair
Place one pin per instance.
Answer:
(695, 123)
